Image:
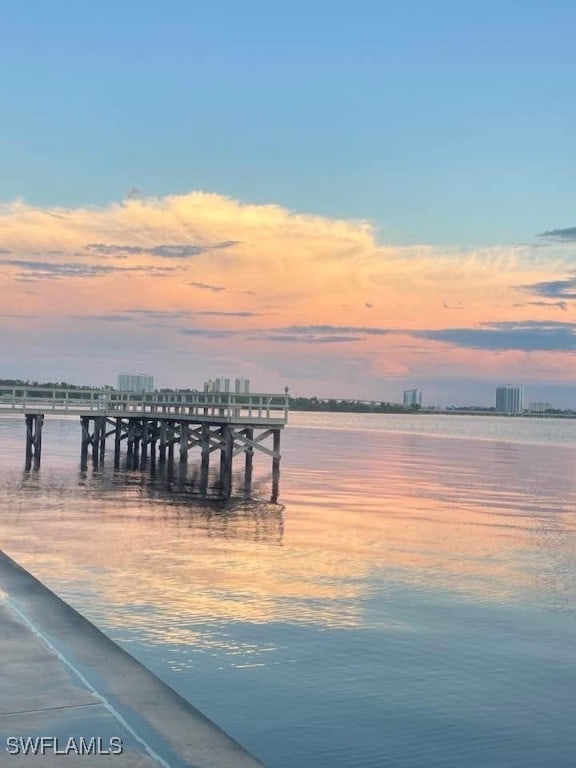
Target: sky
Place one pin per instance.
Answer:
(346, 198)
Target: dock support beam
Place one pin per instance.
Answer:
(145, 441)
(95, 441)
(153, 438)
(205, 461)
(86, 440)
(99, 439)
(276, 465)
(117, 443)
(145, 434)
(162, 446)
(137, 436)
(34, 424)
(226, 461)
(171, 440)
(249, 460)
(184, 436)
(130, 442)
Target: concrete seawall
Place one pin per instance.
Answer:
(62, 678)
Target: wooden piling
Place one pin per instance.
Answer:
(249, 460)
(162, 446)
(276, 464)
(29, 442)
(153, 438)
(86, 440)
(102, 438)
(205, 462)
(227, 438)
(34, 424)
(96, 441)
(38, 440)
(136, 445)
(117, 443)
(145, 441)
(171, 440)
(184, 441)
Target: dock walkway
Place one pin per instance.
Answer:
(64, 680)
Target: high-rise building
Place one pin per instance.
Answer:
(242, 386)
(509, 399)
(412, 397)
(540, 407)
(131, 382)
(218, 385)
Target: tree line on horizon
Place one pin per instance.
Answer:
(47, 384)
(349, 406)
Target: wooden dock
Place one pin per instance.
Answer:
(154, 426)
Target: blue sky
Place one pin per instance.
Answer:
(342, 197)
(440, 122)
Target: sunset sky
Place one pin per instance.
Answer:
(348, 198)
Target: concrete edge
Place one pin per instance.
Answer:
(179, 733)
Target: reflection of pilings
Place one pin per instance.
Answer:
(34, 424)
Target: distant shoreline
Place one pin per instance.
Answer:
(436, 412)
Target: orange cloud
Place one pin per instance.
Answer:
(203, 275)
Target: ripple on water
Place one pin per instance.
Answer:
(410, 602)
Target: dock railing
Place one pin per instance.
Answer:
(223, 406)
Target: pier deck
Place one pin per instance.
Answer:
(152, 424)
(217, 407)
(61, 678)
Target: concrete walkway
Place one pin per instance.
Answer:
(62, 679)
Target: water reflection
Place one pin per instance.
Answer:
(406, 574)
(466, 517)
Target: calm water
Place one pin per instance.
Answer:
(411, 602)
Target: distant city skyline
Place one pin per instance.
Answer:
(566, 401)
(346, 202)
